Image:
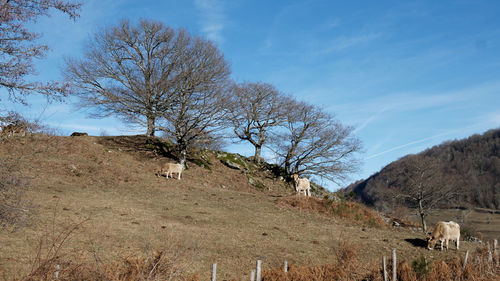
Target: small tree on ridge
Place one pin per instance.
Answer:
(313, 142)
(256, 108)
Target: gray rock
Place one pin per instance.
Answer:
(232, 165)
(251, 181)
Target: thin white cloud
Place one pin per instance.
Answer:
(491, 121)
(394, 103)
(407, 145)
(369, 120)
(332, 23)
(342, 43)
(212, 18)
(94, 129)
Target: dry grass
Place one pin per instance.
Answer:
(352, 211)
(130, 213)
(160, 265)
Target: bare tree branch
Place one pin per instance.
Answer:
(313, 142)
(132, 71)
(199, 97)
(421, 186)
(254, 109)
(18, 47)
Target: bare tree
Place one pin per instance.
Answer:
(313, 142)
(133, 71)
(199, 100)
(255, 108)
(420, 184)
(18, 45)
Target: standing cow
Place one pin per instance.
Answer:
(443, 232)
(302, 185)
(169, 169)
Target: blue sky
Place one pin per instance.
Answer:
(407, 75)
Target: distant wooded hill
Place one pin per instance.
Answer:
(472, 163)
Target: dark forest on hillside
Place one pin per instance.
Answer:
(469, 167)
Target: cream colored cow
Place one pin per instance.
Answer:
(169, 169)
(302, 185)
(443, 232)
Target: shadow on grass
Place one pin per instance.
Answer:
(417, 242)
(151, 146)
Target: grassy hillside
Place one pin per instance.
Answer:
(98, 201)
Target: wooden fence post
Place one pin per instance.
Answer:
(259, 265)
(465, 259)
(490, 256)
(394, 262)
(385, 268)
(285, 266)
(495, 249)
(214, 271)
(252, 275)
(56, 274)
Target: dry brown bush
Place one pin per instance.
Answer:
(348, 267)
(15, 207)
(170, 263)
(406, 272)
(349, 210)
(55, 260)
(157, 267)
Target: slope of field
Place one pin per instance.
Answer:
(104, 191)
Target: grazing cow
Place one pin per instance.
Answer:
(78, 134)
(443, 232)
(14, 129)
(169, 169)
(302, 185)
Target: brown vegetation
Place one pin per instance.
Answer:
(352, 211)
(15, 207)
(349, 267)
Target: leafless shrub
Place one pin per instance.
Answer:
(15, 208)
(50, 254)
(347, 267)
(53, 258)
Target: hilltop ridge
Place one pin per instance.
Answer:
(473, 163)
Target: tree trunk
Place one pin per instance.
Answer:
(182, 151)
(422, 216)
(288, 169)
(151, 126)
(258, 149)
(183, 157)
(424, 224)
